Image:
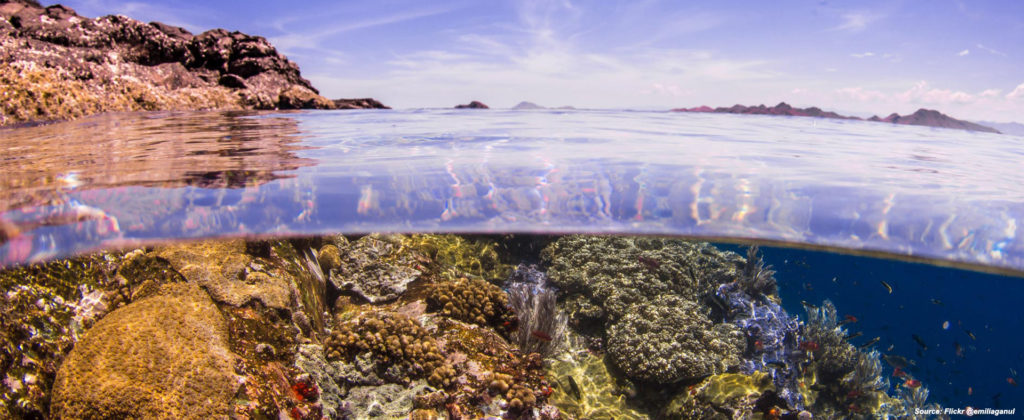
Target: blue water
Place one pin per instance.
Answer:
(923, 298)
(944, 197)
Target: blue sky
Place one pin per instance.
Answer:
(965, 58)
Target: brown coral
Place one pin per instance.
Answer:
(471, 300)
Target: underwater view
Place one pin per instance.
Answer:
(528, 264)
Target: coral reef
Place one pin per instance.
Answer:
(398, 347)
(471, 300)
(541, 325)
(601, 277)
(389, 401)
(584, 388)
(45, 307)
(672, 339)
(165, 356)
(376, 267)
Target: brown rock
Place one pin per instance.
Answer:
(164, 356)
(473, 105)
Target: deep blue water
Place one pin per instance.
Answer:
(923, 298)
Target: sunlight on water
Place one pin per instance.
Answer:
(122, 179)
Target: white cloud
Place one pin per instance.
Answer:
(1018, 92)
(963, 53)
(861, 94)
(992, 50)
(923, 93)
(310, 38)
(990, 93)
(857, 21)
(863, 55)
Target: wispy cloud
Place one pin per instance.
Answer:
(863, 55)
(857, 21)
(313, 37)
(1018, 92)
(992, 50)
(190, 18)
(963, 53)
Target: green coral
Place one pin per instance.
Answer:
(671, 339)
(601, 277)
(165, 356)
(472, 300)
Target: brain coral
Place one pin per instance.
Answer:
(671, 339)
(164, 356)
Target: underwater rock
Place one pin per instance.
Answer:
(600, 277)
(164, 356)
(310, 359)
(229, 274)
(724, 396)
(389, 401)
(377, 267)
(454, 256)
(670, 339)
(45, 307)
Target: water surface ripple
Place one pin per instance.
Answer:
(117, 180)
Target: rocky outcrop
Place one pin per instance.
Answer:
(925, 117)
(360, 103)
(933, 118)
(473, 105)
(527, 105)
(59, 65)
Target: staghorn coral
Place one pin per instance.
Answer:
(601, 277)
(541, 325)
(164, 356)
(398, 348)
(471, 300)
(671, 339)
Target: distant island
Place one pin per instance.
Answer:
(473, 105)
(531, 105)
(923, 117)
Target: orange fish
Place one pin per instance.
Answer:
(851, 318)
(898, 372)
(1011, 381)
(809, 345)
(541, 335)
(970, 391)
(912, 383)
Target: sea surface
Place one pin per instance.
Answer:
(932, 213)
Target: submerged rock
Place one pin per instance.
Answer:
(229, 274)
(473, 105)
(670, 339)
(165, 356)
(377, 267)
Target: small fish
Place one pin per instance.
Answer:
(891, 346)
(912, 383)
(887, 286)
(919, 341)
(937, 302)
(808, 305)
(541, 335)
(970, 334)
(958, 349)
(1011, 381)
(870, 343)
(1013, 372)
(970, 391)
(848, 319)
(855, 335)
(945, 325)
(808, 345)
(776, 364)
(575, 388)
(896, 361)
(899, 373)
(808, 287)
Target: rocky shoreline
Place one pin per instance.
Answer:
(59, 65)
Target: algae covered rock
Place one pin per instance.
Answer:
(164, 356)
(671, 339)
(601, 277)
(377, 267)
(389, 346)
(724, 396)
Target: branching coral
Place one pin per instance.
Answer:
(471, 300)
(398, 346)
